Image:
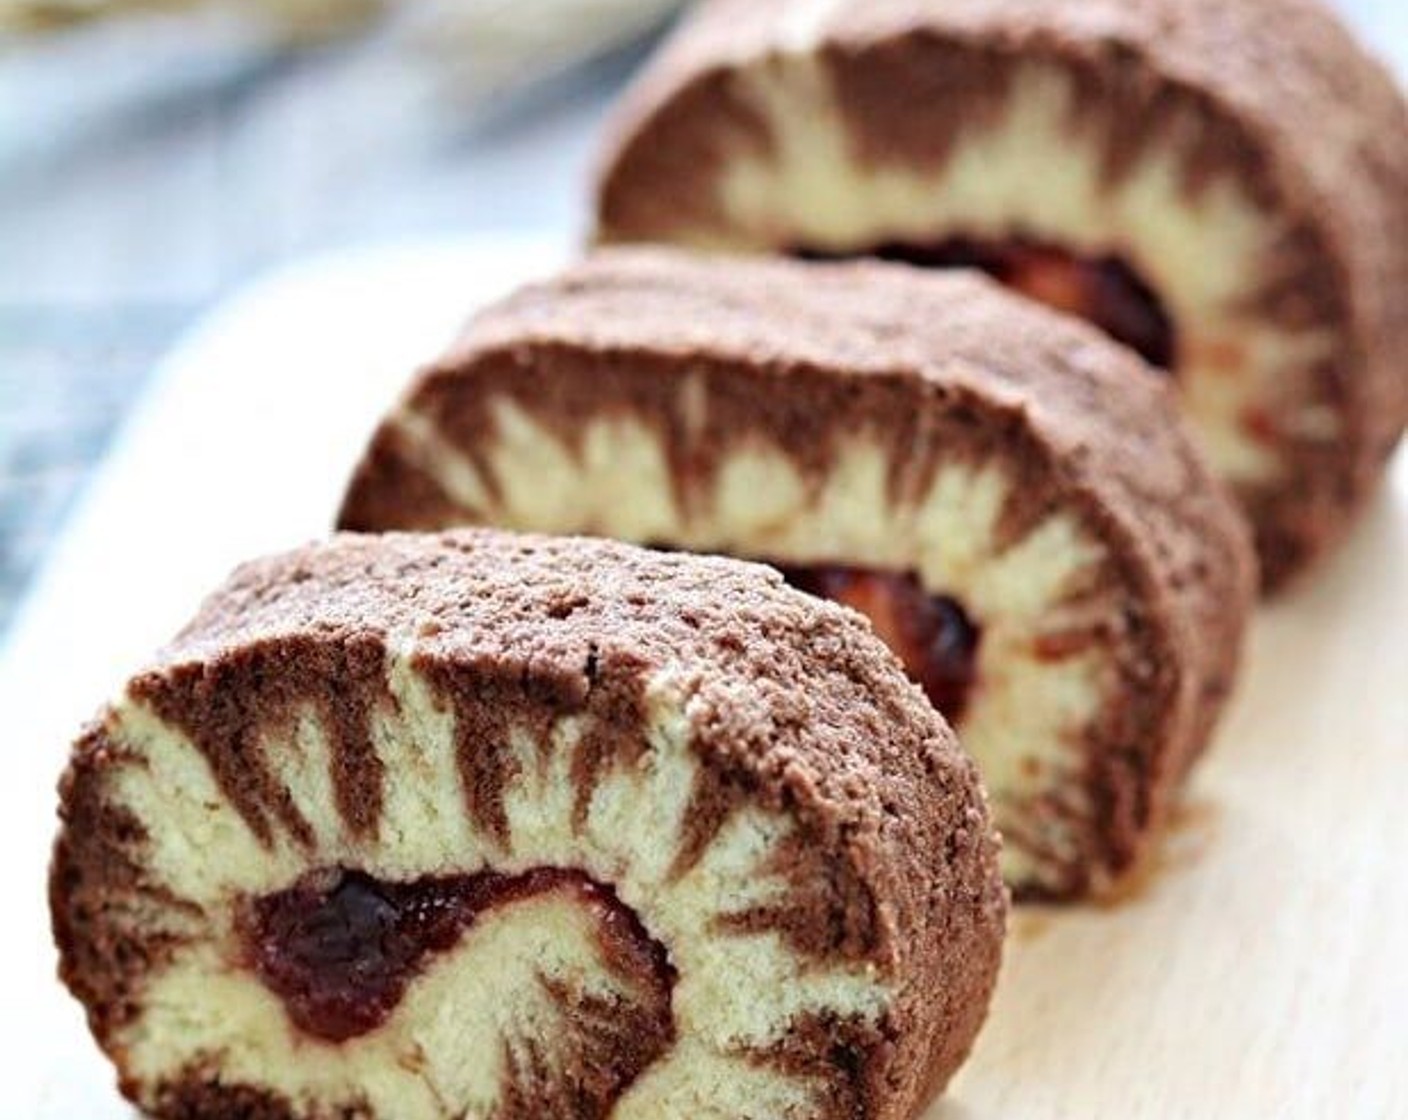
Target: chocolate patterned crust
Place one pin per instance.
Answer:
(1245, 163)
(478, 825)
(1003, 491)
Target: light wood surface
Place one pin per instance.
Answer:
(1262, 972)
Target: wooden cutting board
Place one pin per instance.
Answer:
(1261, 972)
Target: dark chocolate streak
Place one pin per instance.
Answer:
(236, 709)
(483, 726)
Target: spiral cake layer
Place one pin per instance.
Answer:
(1222, 186)
(1005, 493)
(490, 826)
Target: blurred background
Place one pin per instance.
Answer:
(155, 154)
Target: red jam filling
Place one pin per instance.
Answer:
(339, 947)
(931, 634)
(1104, 290)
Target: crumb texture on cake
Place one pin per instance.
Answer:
(1010, 459)
(743, 770)
(1167, 132)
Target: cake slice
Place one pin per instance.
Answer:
(1004, 492)
(481, 826)
(1220, 184)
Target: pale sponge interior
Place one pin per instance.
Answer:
(1029, 720)
(443, 1051)
(1034, 170)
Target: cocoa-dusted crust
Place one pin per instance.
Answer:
(794, 705)
(937, 364)
(1284, 100)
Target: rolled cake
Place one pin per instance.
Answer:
(1003, 491)
(1221, 185)
(472, 826)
